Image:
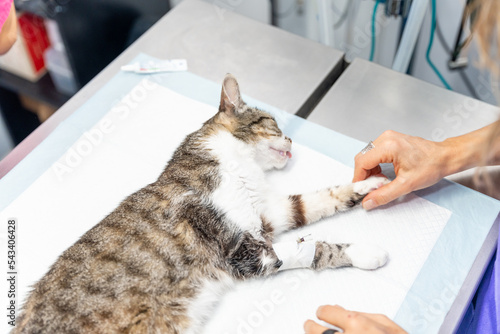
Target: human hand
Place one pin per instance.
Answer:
(352, 322)
(418, 164)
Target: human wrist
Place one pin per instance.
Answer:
(459, 154)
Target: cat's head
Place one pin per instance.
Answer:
(256, 128)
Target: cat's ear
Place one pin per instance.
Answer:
(230, 99)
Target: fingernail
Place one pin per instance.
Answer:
(370, 204)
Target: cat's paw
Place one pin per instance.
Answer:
(270, 263)
(370, 184)
(367, 257)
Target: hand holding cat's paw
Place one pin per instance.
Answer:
(370, 184)
(367, 257)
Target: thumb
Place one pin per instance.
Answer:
(385, 194)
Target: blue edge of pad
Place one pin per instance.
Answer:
(425, 305)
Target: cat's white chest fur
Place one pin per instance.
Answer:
(242, 185)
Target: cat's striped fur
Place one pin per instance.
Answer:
(155, 264)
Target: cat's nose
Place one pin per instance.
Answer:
(287, 138)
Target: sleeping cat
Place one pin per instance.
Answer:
(161, 260)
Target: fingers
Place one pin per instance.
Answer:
(335, 315)
(348, 321)
(351, 322)
(386, 148)
(331, 314)
(311, 327)
(368, 163)
(387, 193)
(361, 174)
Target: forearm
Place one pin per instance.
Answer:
(480, 147)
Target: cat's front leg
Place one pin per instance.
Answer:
(321, 255)
(311, 207)
(252, 257)
(299, 210)
(341, 255)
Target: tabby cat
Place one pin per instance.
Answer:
(161, 260)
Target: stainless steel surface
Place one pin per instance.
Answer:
(272, 65)
(368, 99)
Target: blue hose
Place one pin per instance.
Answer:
(372, 49)
(429, 47)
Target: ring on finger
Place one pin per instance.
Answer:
(368, 147)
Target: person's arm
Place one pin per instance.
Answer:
(8, 33)
(420, 163)
(351, 322)
(474, 149)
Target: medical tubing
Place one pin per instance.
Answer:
(374, 15)
(429, 47)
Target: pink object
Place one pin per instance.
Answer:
(4, 11)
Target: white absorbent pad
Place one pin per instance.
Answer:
(129, 150)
